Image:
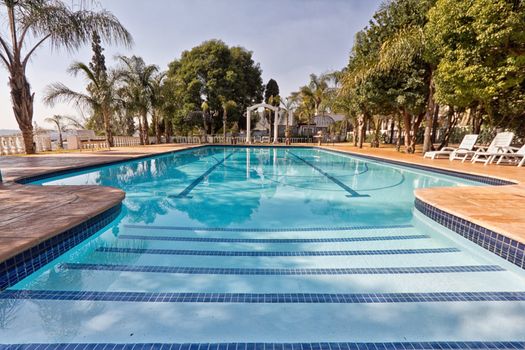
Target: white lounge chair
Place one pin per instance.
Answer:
(467, 144)
(499, 145)
(513, 155)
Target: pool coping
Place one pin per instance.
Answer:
(23, 262)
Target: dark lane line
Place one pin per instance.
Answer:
(197, 181)
(331, 178)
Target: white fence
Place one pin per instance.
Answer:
(125, 141)
(14, 144)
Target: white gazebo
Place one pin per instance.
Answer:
(248, 121)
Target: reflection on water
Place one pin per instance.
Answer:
(256, 186)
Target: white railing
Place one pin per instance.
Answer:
(11, 145)
(95, 144)
(187, 139)
(14, 144)
(125, 141)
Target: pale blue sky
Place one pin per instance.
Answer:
(289, 38)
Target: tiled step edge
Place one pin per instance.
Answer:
(485, 345)
(503, 246)
(23, 264)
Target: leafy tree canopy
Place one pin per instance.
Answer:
(214, 72)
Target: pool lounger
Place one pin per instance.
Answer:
(467, 144)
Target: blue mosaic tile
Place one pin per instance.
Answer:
(285, 271)
(494, 242)
(272, 240)
(254, 229)
(20, 266)
(275, 253)
(197, 181)
(268, 298)
(348, 189)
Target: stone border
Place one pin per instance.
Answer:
(503, 246)
(25, 263)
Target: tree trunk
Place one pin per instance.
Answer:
(22, 100)
(415, 129)
(361, 131)
(157, 128)
(107, 128)
(392, 126)
(429, 114)
(451, 123)
(399, 134)
(167, 129)
(224, 116)
(145, 128)
(435, 123)
(407, 124)
(60, 140)
(141, 131)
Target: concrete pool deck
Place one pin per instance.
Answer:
(32, 214)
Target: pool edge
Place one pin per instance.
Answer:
(496, 243)
(29, 260)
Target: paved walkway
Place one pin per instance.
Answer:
(32, 214)
(498, 208)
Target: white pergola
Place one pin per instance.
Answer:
(248, 121)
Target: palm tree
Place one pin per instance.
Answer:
(30, 24)
(316, 90)
(156, 101)
(101, 98)
(139, 80)
(63, 123)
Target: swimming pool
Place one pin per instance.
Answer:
(224, 247)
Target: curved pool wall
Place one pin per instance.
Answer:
(337, 255)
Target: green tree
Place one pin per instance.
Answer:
(209, 71)
(271, 89)
(30, 24)
(481, 49)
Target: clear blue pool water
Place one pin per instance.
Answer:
(216, 221)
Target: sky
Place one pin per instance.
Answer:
(289, 39)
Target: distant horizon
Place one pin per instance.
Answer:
(289, 39)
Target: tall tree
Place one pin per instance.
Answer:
(99, 69)
(481, 50)
(30, 24)
(271, 89)
(139, 80)
(101, 99)
(209, 71)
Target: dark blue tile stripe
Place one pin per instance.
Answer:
(285, 271)
(275, 253)
(302, 298)
(432, 345)
(201, 178)
(330, 177)
(254, 229)
(22, 265)
(272, 240)
(505, 247)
